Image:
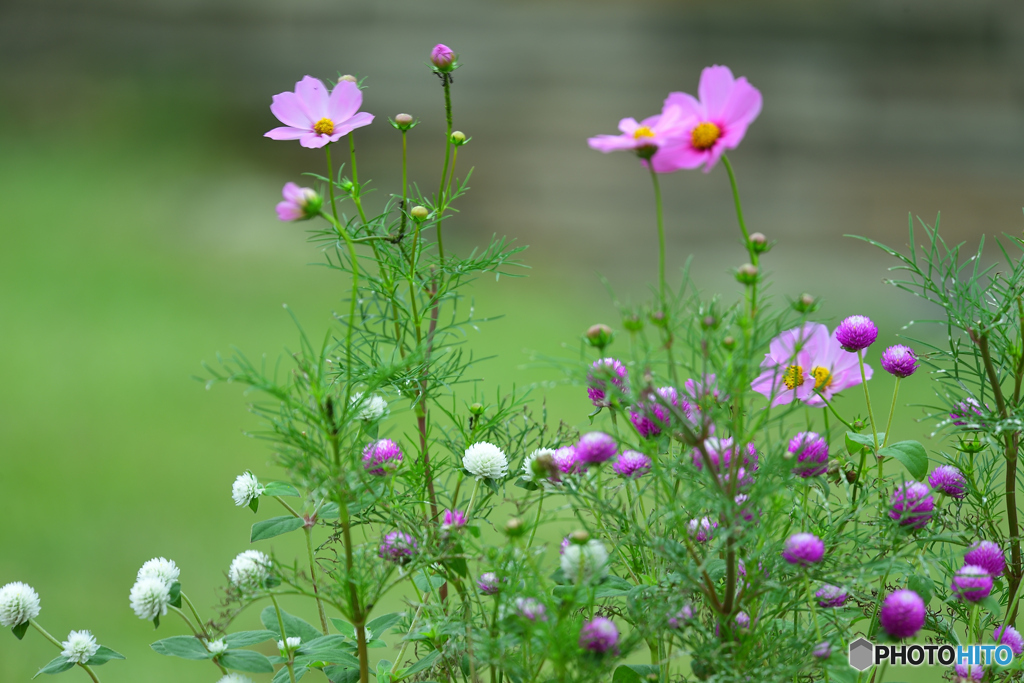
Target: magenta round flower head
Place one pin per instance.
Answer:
(531, 608)
(315, 118)
(702, 528)
(899, 361)
(988, 556)
(382, 457)
(831, 596)
(601, 372)
(299, 203)
(651, 417)
(1010, 636)
(488, 583)
(856, 333)
(453, 519)
(646, 138)
(596, 447)
(714, 123)
(822, 650)
(397, 547)
(803, 549)
(902, 614)
(567, 461)
(632, 465)
(811, 451)
(442, 57)
(912, 504)
(679, 619)
(969, 673)
(948, 480)
(599, 635)
(971, 583)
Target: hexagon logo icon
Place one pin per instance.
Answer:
(862, 654)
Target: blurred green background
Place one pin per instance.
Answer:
(139, 236)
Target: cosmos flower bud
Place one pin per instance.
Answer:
(348, 77)
(580, 537)
(805, 303)
(442, 58)
(599, 336)
(746, 274)
(729, 343)
(632, 322)
(515, 527)
(300, 203)
(459, 138)
(419, 213)
(709, 322)
(476, 409)
(404, 122)
(758, 242)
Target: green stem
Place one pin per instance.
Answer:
(284, 637)
(45, 634)
(355, 179)
(188, 621)
(312, 576)
(739, 210)
(661, 240)
(867, 398)
(199, 621)
(814, 615)
(536, 522)
(330, 183)
(350, 327)
(447, 158)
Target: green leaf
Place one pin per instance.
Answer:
(103, 655)
(254, 504)
(383, 671)
(855, 442)
(911, 454)
(20, 630)
(246, 638)
(246, 660)
(715, 568)
(923, 586)
(55, 666)
(332, 648)
(633, 673)
(346, 629)
(342, 674)
(294, 626)
(186, 647)
(175, 594)
(328, 511)
(427, 585)
(613, 586)
(421, 665)
(993, 607)
(282, 675)
(275, 526)
(156, 621)
(280, 488)
(381, 624)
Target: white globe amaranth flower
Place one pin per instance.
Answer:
(160, 568)
(217, 647)
(18, 603)
(528, 474)
(79, 647)
(246, 489)
(150, 597)
(249, 570)
(369, 409)
(592, 556)
(485, 461)
(234, 678)
(289, 645)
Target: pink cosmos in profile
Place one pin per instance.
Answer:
(715, 122)
(299, 203)
(646, 138)
(316, 118)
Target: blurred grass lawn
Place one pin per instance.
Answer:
(127, 261)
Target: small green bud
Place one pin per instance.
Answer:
(404, 122)
(709, 322)
(658, 319)
(579, 537)
(729, 343)
(746, 274)
(805, 303)
(633, 322)
(514, 528)
(476, 409)
(851, 476)
(419, 213)
(599, 336)
(459, 138)
(348, 77)
(759, 243)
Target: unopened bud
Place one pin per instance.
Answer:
(851, 476)
(543, 466)
(579, 537)
(633, 323)
(476, 409)
(709, 322)
(759, 243)
(599, 336)
(747, 274)
(442, 57)
(729, 343)
(459, 138)
(514, 527)
(658, 319)
(348, 77)
(403, 122)
(805, 303)
(419, 213)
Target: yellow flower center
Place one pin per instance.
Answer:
(324, 126)
(705, 134)
(643, 132)
(822, 378)
(794, 376)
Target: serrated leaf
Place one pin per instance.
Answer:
(104, 655)
(186, 647)
(55, 666)
(913, 456)
(20, 630)
(294, 626)
(923, 586)
(275, 526)
(246, 660)
(280, 488)
(247, 638)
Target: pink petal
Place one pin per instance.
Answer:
(292, 193)
(345, 100)
(688, 103)
(714, 154)
(732, 135)
(612, 143)
(677, 156)
(628, 126)
(314, 140)
(286, 211)
(285, 133)
(313, 96)
(358, 121)
(743, 106)
(716, 84)
(289, 111)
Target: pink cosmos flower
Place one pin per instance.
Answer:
(647, 138)
(299, 203)
(315, 118)
(714, 123)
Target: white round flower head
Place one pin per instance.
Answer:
(485, 461)
(369, 409)
(528, 474)
(79, 647)
(246, 489)
(592, 555)
(249, 570)
(160, 568)
(18, 603)
(150, 597)
(234, 678)
(292, 644)
(217, 647)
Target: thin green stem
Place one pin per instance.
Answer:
(195, 613)
(350, 326)
(662, 286)
(312, 576)
(284, 636)
(867, 398)
(60, 645)
(330, 183)
(536, 521)
(739, 211)
(892, 411)
(188, 621)
(447, 158)
(355, 179)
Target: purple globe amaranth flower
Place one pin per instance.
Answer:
(988, 556)
(397, 547)
(969, 673)
(599, 635)
(442, 57)
(831, 596)
(856, 333)
(315, 118)
(632, 465)
(567, 461)
(971, 583)
(803, 549)
(702, 528)
(1010, 637)
(902, 614)
(489, 584)
(651, 417)
(966, 413)
(811, 451)
(596, 447)
(531, 608)
(948, 480)
(382, 457)
(679, 619)
(912, 504)
(299, 203)
(899, 361)
(601, 372)
(453, 519)
(822, 650)
(720, 452)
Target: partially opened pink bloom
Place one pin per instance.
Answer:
(646, 137)
(714, 123)
(316, 118)
(299, 203)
